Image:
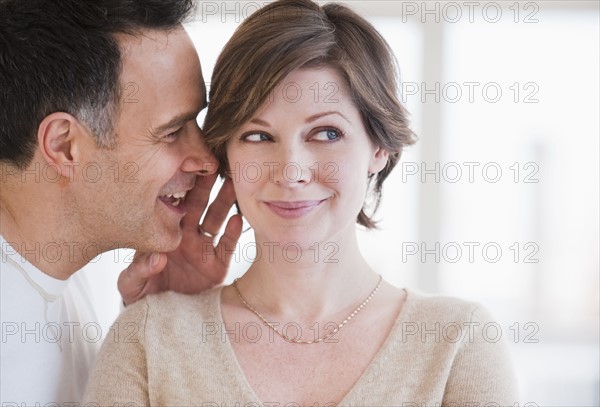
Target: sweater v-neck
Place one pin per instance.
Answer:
(364, 382)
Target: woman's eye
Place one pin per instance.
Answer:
(327, 135)
(255, 137)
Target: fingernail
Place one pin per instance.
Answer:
(153, 259)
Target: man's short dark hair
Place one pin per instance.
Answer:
(62, 56)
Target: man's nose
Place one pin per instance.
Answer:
(199, 157)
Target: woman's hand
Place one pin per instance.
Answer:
(197, 264)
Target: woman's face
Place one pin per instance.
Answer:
(300, 165)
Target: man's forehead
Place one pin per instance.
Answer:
(162, 79)
(146, 42)
(157, 53)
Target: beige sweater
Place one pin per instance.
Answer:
(171, 350)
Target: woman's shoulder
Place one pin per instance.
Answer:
(172, 306)
(193, 303)
(172, 298)
(442, 308)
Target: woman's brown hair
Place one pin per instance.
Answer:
(290, 34)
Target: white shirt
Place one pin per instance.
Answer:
(50, 336)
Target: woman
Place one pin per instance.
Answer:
(305, 119)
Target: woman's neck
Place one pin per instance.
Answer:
(324, 282)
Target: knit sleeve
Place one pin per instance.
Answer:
(119, 376)
(482, 372)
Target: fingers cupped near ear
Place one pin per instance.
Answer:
(228, 241)
(219, 209)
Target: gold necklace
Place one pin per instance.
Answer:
(318, 340)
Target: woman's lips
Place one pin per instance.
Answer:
(293, 209)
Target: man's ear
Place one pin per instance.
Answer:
(378, 160)
(60, 140)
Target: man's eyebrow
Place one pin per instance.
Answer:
(177, 121)
(319, 115)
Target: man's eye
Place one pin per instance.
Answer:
(172, 136)
(328, 134)
(255, 137)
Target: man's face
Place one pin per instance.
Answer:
(160, 149)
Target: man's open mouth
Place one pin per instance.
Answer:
(173, 199)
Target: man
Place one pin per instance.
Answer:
(100, 149)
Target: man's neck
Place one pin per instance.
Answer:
(40, 240)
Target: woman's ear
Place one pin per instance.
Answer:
(378, 160)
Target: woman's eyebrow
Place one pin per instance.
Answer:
(309, 119)
(259, 121)
(319, 115)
